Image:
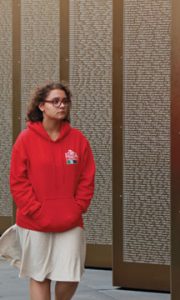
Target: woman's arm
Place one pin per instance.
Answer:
(85, 188)
(20, 185)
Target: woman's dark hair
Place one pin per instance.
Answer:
(34, 114)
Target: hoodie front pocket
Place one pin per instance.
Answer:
(59, 214)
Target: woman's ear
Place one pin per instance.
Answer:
(41, 106)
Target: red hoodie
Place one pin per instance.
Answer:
(52, 182)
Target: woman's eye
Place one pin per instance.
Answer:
(56, 101)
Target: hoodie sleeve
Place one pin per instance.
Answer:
(85, 188)
(20, 185)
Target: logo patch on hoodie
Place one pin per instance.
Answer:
(71, 157)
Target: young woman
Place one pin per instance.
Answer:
(52, 183)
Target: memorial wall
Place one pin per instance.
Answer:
(89, 38)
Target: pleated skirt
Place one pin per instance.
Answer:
(39, 255)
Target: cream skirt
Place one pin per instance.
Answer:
(39, 255)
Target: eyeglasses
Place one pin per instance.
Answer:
(56, 102)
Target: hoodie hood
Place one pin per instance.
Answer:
(38, 128)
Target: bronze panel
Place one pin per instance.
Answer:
(99, 256)
(40, 34)
(90, 76)
(129, 275)
(175, 150)
(5, 223)
(143, 276)
(16, 76)
(6, 208)
(91, 82)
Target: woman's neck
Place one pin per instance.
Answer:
(52, 127)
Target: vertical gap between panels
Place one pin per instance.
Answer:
(117, 138)
(64, 40)
(16, 72)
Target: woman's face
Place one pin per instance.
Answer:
(56, 106)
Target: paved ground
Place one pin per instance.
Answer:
(95, 285)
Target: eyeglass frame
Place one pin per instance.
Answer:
(60, 101)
